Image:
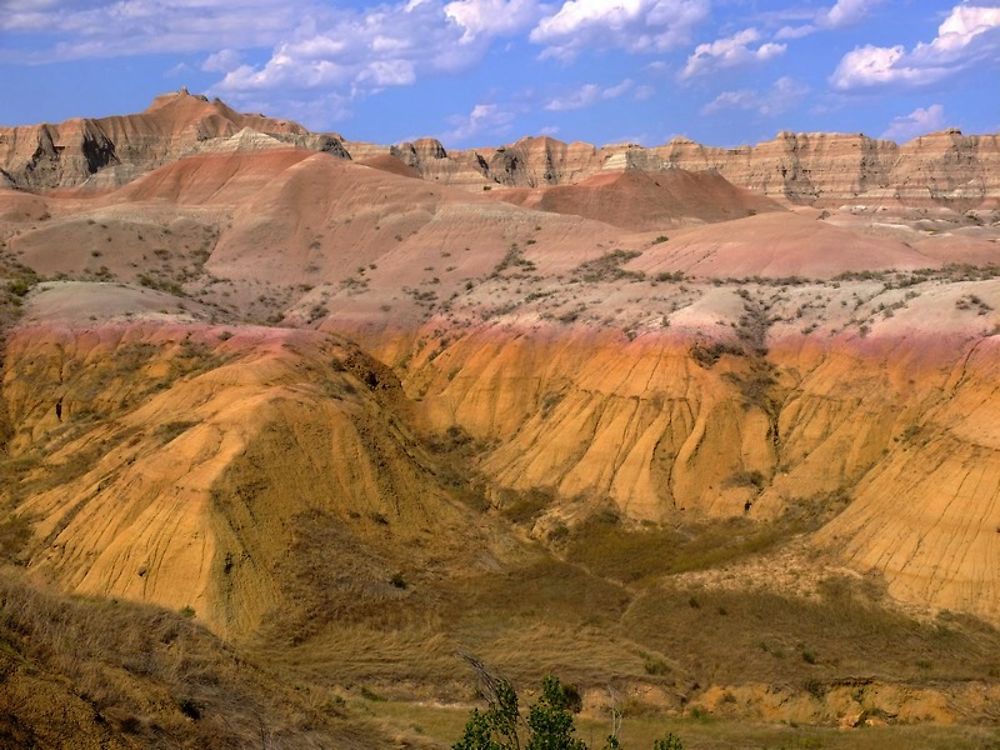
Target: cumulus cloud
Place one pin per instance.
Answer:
(840, 14)
(918, 122)
(969, 35)
(492, 17)
(379, 45)
(484, 118)
(632, 25)
(730, 51)
(222, 61)
(785, 94)
(363, 51)
(69, 30)
(846, 12)
(588, 95)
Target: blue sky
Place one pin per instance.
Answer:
(484, 72)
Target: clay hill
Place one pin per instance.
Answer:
(289, 424)
(113, 150)
(945, 168)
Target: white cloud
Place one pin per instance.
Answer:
(741, 99)
(181, 68)
(584, 96)
(918, 122)
(361, 52)
(549, 130)
(795, 32)
(730, 51)
(633, 25)
(840, 14)
(222, 61)
(846, 13)
(314, 45)
(785, 94)
(969, 34)
(484, 118)
(588, 95)
(642, 93)
(68, 30)
(492, 17)
(613, 92)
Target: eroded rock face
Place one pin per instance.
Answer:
(901, 423)
(832, 168)
(170, 453)
(674, 367)
(825, 169)
(110, 151)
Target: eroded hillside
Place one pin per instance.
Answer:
(649, 429)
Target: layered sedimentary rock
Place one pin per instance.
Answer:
(898, 423)
(833, 168)
(711, 371)
(826, 169)
(172, 462)
(639, 200)
(112, 150)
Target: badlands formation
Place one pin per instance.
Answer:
(707, 432)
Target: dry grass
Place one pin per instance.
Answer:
(732, 637)
(78, 673)
(437, 726)
(610, 549)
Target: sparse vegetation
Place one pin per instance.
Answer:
(513, 259)
(670, 276)
(607, 268)
(518, 481)
(548, 724)
(77, 672)
(707, 355)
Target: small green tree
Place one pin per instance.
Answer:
(550, 721)
(495, 728)
(548, 726)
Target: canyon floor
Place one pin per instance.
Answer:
(287, 432)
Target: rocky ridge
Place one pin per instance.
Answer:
(110, 151)
(824, 169)
(943, 169)
(635, 420)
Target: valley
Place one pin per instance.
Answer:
(316, 418)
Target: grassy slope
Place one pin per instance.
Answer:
(78, 673)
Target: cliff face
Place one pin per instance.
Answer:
(110, 151)
(945, 169)
(825, 169)
(171, 508)
(801, 167)
(829, 168)
(901, 413)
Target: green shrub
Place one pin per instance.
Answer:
(549, 723)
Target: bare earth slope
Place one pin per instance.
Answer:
(112, 150)
(945, 170)
(623, 421)
(643, 201)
